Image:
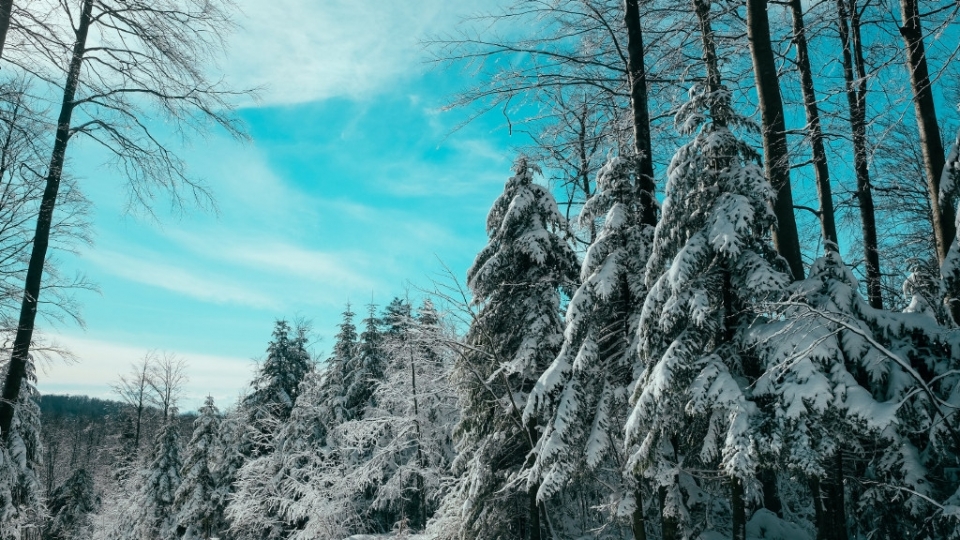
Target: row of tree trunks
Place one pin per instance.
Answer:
(854, 74)
(776, 159)
(31, 293)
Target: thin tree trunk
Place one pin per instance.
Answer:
(421, 496)
(534, 512)
(6, 9)
(638, 521)
(643, 146)
(828, 224)
(820, 515)
(943, 212)
(856, 89)
(776, 159)
(739, 508)
(31, 293)
(837, 507)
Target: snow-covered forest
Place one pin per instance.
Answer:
(720, 296)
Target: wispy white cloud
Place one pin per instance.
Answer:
(303, 50)
(158, 273)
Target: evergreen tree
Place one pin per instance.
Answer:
(277, 383)
(711, 264)
(516, 281)
(21, 459)
(72, 505)
(276, 492)
(398, 453)
(360, 382)
(853, 389)
(584, 392)
(195, 500)
(154, 517)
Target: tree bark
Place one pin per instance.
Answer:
(6, 9)
(856, 89)
(638, 521)
(637, 75)
(942, 212)
(776, 159)
(31, 293)
(837, 507)
(739, 508)
(534, 512)
(944, 227)
(828, 224)
(669, 527)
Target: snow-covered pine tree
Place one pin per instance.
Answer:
(277, 384)
(21, 457)
(195, 503)
(853, 390)
(516, 281)
(289, 492)
(72, 506)
(711, 262)
(360, 380)
(584, 394)
(401, 449)
(152, 516)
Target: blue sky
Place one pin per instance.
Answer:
(352, 186)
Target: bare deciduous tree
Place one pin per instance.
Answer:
(124, 59)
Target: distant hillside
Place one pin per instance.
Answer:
(53, 406)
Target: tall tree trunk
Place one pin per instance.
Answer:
(856, 90)
(31, 293)
(942, 211)
(776, 159)
(643, 146)
(6, 9)
(828, 224)
(646, 185)
(944, 227)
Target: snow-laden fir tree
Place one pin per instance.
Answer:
(288, 492)
(195, 503)
(250, 432)
(516, 282)
(21, 457)
(850, 389)
(150, 515)
(277, 383)
(72, 506)
(584, 393)
(711, 262)
(397, 455)
(361, 378)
